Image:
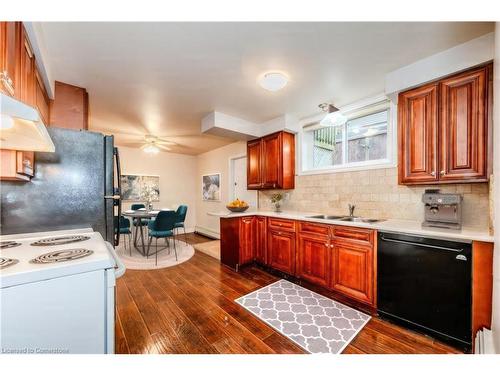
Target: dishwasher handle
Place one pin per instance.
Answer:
(420, 244)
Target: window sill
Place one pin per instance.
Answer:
(354, 167)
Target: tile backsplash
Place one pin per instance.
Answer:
(376, 194)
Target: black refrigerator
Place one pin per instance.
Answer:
(76, 186)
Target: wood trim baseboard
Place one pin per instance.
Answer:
(207, 232)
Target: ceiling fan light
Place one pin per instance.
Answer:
(151, 149)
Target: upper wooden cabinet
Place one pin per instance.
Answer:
(444, 130)
(42, 101)
(27, 76)
(10, 52)
(464, 126)
(418, 119)
(271, 162)
(69, 109)
(254, 153)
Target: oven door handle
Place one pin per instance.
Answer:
(119, 267)
(420, 244)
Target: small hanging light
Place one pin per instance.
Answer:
(334, 117)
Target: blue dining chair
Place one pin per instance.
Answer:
(162, 227)
(124, 228)
(181, 218)
(135, 207)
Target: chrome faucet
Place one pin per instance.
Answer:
(351, 209)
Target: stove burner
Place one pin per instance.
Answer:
(59, 240)
(8, 244)
(6, 262)
(61, 256)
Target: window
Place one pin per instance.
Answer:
(364, 141)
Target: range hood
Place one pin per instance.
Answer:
(21, 127)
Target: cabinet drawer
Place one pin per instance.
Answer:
(359, 235)
(313, 228)
(281, 224)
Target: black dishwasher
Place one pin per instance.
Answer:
(426, 284)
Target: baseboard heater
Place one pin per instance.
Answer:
(483, 343)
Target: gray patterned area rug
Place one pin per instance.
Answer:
(316, 323)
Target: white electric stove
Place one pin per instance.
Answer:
(57, 292)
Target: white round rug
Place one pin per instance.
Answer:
(137, 261)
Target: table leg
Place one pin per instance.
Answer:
(142, 241)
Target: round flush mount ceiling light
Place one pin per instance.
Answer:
(273, 81)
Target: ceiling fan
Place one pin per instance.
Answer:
(153, 144)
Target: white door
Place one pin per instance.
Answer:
(239, 183)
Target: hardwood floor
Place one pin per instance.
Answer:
(190, 308)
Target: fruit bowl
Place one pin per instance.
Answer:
(237, 209)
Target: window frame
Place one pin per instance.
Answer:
(358, 109)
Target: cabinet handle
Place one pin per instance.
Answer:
(442, 173)
(7, 82)
(433, 173)
(326, 245)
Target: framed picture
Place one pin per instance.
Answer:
(211, 187)
(134, 187)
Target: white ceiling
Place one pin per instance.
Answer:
(163, 78)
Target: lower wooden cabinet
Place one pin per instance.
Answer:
(313, 258)
(339, 258)
(281, 251)
(247, 240)
(353, 271)
(16, 165)
(261, 239)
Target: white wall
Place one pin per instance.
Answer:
(177, 178)
(496, 195)
(215, 161)
(461, 57)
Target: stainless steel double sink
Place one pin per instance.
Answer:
(355, 219)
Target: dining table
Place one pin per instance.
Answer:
(139, 215)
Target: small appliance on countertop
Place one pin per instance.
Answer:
(58, 292)
(442, 210)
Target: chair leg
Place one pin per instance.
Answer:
(149, 246)
(175, 250)
(156, 253)
(185, 235)
(129, 243)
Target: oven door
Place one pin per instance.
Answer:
(111, 275)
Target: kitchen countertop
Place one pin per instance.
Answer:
(390, 225)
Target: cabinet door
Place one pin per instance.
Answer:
(261, 239)
(10, 42)
(281, 251)
(352, 271)
(313, 258)
(272, 172)
(463, 126)
(25, 162)
(27, 93)
(254, 171)
(418, 116)
(247, 240)
(41, 98)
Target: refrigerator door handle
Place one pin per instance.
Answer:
(116, 196)
(112, 197)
